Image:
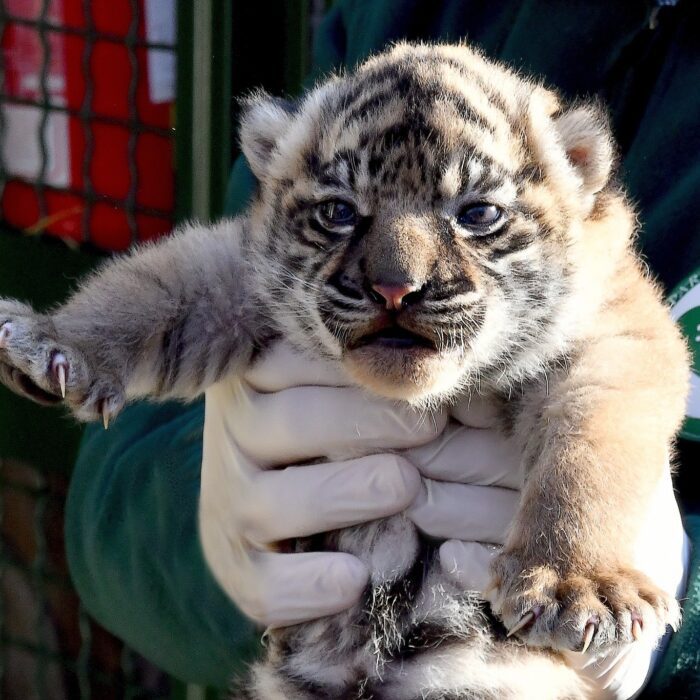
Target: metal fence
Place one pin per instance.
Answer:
(89, 155)
(50, 648)
(83, 129)
(86, 115)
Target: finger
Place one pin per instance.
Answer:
(286, 589)
(468, 564)
(464, 512)
(477, 411)
(661, 547)
(306, 423)
(470, 456)
(282, 367)
(618, 674)
(300, 501)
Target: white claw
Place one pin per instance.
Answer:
(60, 367)
(61, 372)
(636, 630)
(5, 332)
(524, 621)
(588, 636)
(105, 417)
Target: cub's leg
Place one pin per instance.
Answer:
(596, 441)
(164, 321)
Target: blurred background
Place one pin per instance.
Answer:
(117, 120)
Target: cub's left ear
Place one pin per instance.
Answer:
(585, 133)
(264, 120)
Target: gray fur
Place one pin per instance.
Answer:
(165, 321)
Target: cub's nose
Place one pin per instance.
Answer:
(395, 296)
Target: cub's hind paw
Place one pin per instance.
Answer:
(595, 611)
(37, 364)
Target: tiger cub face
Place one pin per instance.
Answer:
(421, 219)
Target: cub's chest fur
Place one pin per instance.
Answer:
(440, 226)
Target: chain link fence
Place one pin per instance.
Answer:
(50, 649)
(87, 111)
(87, 99)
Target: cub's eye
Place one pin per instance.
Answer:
(479, 216)
(336, 213)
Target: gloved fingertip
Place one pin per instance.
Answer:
(411, 480)
(421, 498)
(426, 426)
(346, 576)
(449, 554)
(396, 482)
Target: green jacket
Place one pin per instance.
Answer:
(131, 515)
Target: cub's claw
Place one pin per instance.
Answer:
(636, 629)
(588, 634)
(108, 405)
(527, 619)
(62, 380)
(590, 612)
(36, 362)
(105, 415)
(59, 366)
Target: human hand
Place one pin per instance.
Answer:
(470, 492)
(288, 410)
(469, 497)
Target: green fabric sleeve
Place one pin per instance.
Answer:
(678, 673)
(131, 515)
(133, 549)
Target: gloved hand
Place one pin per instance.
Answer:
(468, 496)
(470, 492)
(244, 507)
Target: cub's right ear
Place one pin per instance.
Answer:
(264, 119)
(585, 133)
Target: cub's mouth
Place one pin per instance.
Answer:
(393, 337)
(400, 363)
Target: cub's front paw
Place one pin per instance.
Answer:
(594, 611)
(35, 363)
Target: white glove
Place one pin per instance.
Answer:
(476, 508)
(243, 508)
(470, 492)
(468, 496)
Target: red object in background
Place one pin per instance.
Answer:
(95, 141)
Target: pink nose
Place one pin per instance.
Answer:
(394, 295)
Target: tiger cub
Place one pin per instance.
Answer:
(439, 226)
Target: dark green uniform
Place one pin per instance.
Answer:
(131, 518)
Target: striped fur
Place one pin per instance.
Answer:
(545, 312)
